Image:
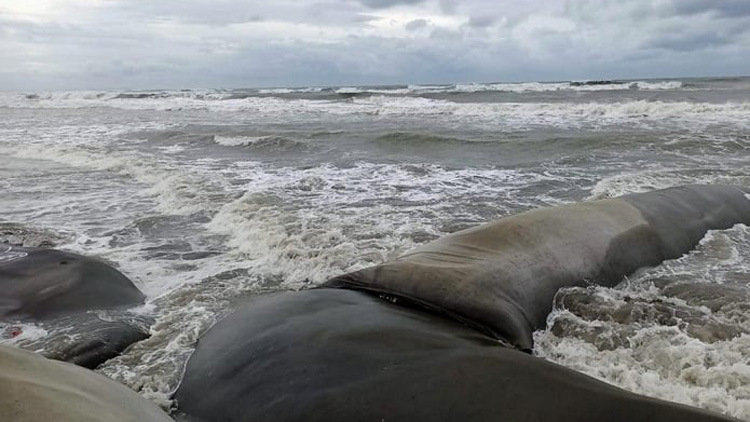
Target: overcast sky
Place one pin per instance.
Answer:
(99, 44)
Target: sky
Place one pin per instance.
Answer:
(151, 44)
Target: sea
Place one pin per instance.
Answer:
(206, 197)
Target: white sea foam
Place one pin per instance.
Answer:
(291, 227)
(649, 113)
(102, 213)
(289, 90)
(687, 348)
(349, 90)
(428, 88)
(8, 254)
(523, 87)
(342, 218)
(512, 87)
(178, 190)
(234, 141)
(593, 114)
(659, 85)
(12, 334)
(648, 180)
(172, 149)
(665, 363)
(520, 87)
(388, 91)
(279, 228)
(642, 181)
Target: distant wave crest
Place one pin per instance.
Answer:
(570, 86)
(265, 143)
(505, 114)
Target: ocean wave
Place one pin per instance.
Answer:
(235, 141)
(89, 99)
(288, 216)
(523, 87)
(677, 332)
(263, 143)
(293, 228)
(517, 87)
(307, 90)
(652, 113)
(14, 334)
(128, 99)
(31, 237)
(550, 113)
(178, 190)
(284, 228)
(520, 87)
(388, 91)
(165, 101)
(639, 112)
(648, 180)
(416, 140)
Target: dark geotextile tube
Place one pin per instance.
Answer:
(36, 389)
(65, 293)
(501, 277)
(336, 355)
(88, 339)
(39, 283)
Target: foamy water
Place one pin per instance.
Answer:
(208, 197)
(517, 115)
(680, 332)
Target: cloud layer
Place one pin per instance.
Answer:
(98, 44)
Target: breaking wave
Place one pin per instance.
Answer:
(519, 87)
(187, 202)
(416, 140)
(677, 332)
(570, 86)
(264, 143)
(589, 114)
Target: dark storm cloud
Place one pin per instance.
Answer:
(229, 12)
(448, 6)
(481, 21)
(445, 34)
(723, 8)
(416, 24)
(362, 18)
(691, 42)
(225, 43)
(197, 12)
(381, 4)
